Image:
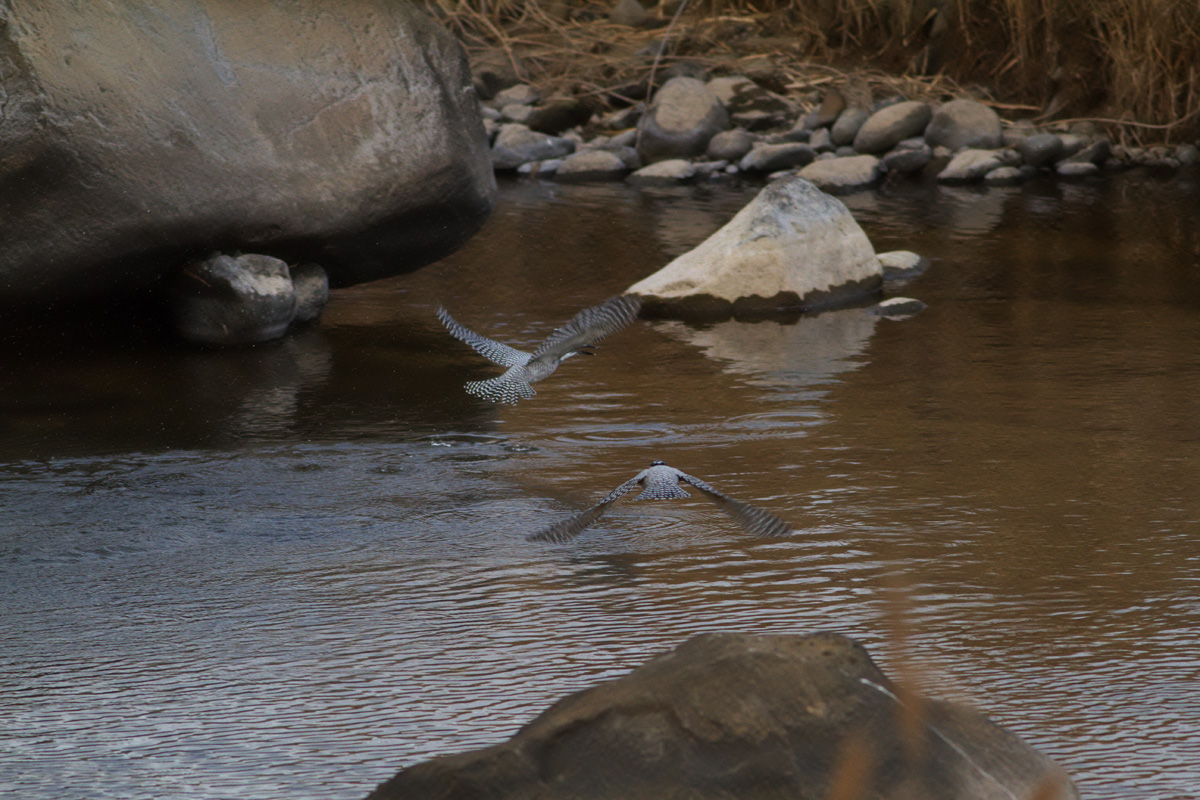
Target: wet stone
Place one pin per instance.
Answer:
(844, 174)
(1040, 149)
(908, 156)
(516, 145)
(592, 165)
(774, 157)
(663, 173)
(1004, 176)
(884, 129)
(963, 124)
(847, 126)
(730, 145)
(1076, 169)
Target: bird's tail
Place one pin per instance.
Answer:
(504, 389)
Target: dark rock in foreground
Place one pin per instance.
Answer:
(747, 717)
(132, 140)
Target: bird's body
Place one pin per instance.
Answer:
(661, 482)
(585, 328)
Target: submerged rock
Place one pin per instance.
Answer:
(132, 139)
(753, 717)
(899, 307)
(791, 247)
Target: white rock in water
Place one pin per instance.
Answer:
(899, 307)
(902, 264)
(791, 247)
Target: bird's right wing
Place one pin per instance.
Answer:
(573, 526)
(591, 325)
(490, 349)
(754, 519)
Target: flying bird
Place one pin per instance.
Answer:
(661, 482)
(582, 332)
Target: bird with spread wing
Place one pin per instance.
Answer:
(661, 482)
(582, 332)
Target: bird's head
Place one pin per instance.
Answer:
(658, 463)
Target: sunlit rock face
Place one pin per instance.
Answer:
(134, 137)
(793, 247)
(747, 716)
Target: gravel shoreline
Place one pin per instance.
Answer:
(698, 128)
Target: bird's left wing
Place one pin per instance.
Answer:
(490, 349)
(591, 325)
(573, 526)
(754, 519)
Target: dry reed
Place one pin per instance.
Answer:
(1129, 65)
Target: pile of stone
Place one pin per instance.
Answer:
(706, 130)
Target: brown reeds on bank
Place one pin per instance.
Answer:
(1131, 66)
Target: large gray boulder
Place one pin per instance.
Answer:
(753, 717)
(134, 135)
(684, 115)
(964, 123)
(790, 248)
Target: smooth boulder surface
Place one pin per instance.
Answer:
(889, 126)
(132, 139)
(791, 247)
(684, 115)
(752, 717)
(964, 123)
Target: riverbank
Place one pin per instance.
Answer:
(583, 73)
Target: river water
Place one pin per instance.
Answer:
(294, 569)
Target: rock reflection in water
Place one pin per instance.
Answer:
(793, 358)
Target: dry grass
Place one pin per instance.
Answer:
(1130, 65)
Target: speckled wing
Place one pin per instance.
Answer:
(509, 388)
(591, 325)
(490, 349)
(569, 528)
(753, 519)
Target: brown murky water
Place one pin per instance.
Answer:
(297, 568)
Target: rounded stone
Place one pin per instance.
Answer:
(844, 174)
(311, 286)
(1076, 169)
(592, 165)
(899, 307)
(847, 126)
(682, 119)
(1040, 149)
(964, 123)
(775, 157)
(884, 129)
(1004, 176)
(516, 145)
(904, 158)
(663, 173)
(232, 300)
(730, 145)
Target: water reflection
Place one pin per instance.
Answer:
(295, 568)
